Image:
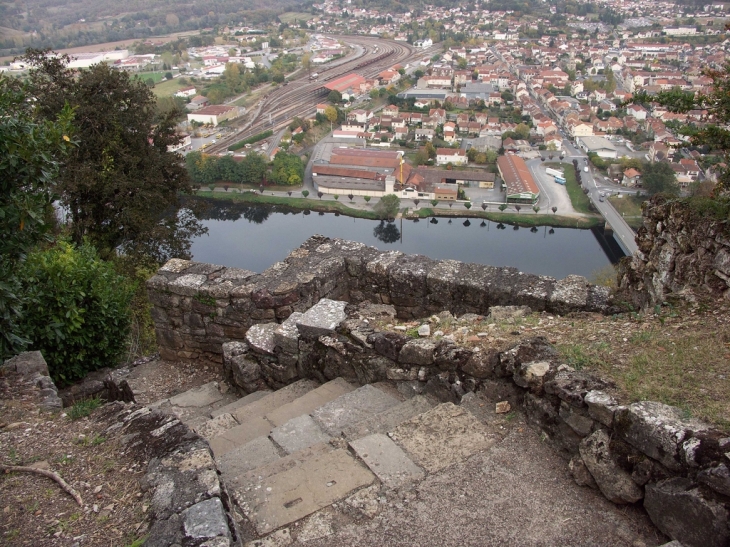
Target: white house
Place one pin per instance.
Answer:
(451, 155)
(186, 92)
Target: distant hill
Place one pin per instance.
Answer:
(63, 23)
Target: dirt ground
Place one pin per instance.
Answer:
(35, 512)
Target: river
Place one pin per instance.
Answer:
(254, 237)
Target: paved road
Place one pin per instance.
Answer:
(623, 233)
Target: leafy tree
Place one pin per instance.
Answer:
(305, 193)
(503, 207)
(420, 158)
(287, 169)
(120, 185)
(430, 149)
(331, 114)
(388, 206)
(335, 97)
(168, 75)
(30, 154)
(658, 177)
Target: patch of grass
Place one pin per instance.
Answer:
(137, 542)
(630, 208)
(302, 204)
(605, 277)
(167, 88)
(292, 16)
(84, 408)
(578, 356)
(413, 333)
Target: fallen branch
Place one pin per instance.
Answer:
(50, 474)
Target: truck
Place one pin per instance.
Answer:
(314, 76)
(554, 172)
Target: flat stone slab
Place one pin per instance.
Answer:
(286, 497)
(198, 397)
(298, 433)
(322, 319)
(310, 401)
(252, 417)
(230, 439)
(351, 408)
(274, 400)
(252, 478)
(230, 408)
(442, 436)
(257, 453)
(216, 426)
(387, 460)
(261, 338)
(206, 519)
(389, 419)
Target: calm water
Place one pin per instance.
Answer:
(255, 237)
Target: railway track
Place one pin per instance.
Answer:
(300, 96)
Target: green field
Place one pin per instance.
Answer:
(630, 208)
(291, 16)
(168, 88)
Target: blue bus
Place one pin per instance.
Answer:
(560, 180)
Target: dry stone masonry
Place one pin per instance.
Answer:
(199, 307)
(644, 452)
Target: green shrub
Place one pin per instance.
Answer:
(78, 311)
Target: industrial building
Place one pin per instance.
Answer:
(520, 186)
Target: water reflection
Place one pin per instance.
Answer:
(238, 236)
(212, 209)
(387, 232)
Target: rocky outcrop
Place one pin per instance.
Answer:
(28, 374)
(683, 245)
(199, 307)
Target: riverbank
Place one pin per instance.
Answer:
(361, 210)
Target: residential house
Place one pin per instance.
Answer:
(454, 156)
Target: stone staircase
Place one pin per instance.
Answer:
(286, 454)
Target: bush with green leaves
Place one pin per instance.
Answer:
(78, 310)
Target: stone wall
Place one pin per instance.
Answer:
(198, 307)
(681, 246)
(645, 452)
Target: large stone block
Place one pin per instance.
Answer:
(322, 319)
(680, 510)
(658, 430)
(614, 482)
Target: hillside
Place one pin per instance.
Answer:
(59, 24)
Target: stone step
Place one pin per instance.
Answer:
(352, 408)
(310, 401)
(230, 408)
(444, 435)
(193, 406)
(259, 452)
(252, 420)
(390, 418)
(387, 460)
(285, 497)
(298, 433)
